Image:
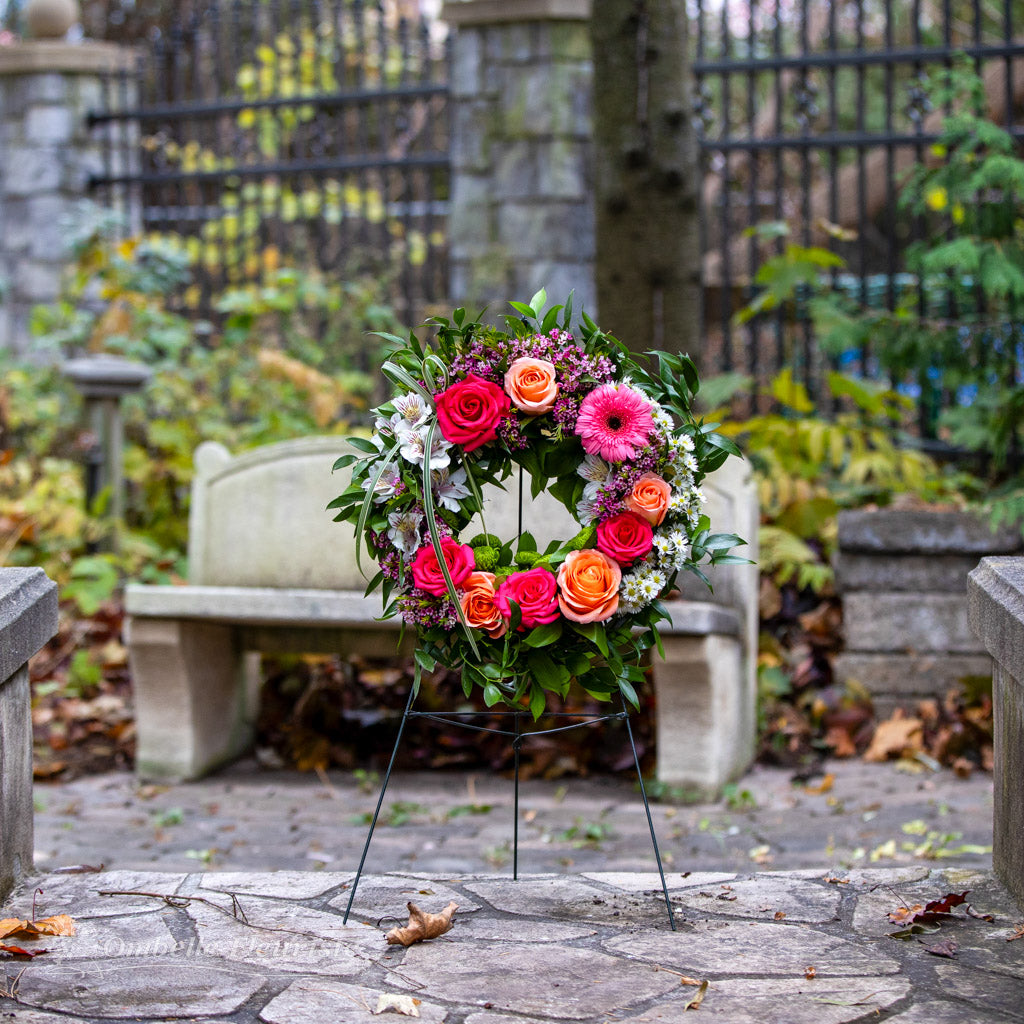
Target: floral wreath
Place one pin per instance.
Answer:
(616, 444)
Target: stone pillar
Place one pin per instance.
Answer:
(522, 213)
(28, 618)
(995, 595)
(47, 152)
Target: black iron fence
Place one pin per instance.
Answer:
(307, 132)
(812, 113)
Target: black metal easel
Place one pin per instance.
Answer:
(518, 736)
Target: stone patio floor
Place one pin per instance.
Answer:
(588, 940)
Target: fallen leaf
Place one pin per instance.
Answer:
(14, 927)
(684, 980)
(930, 912)
(77, 869)
(971, 912)
(835, 880)
(945, 947)
(810, 973)
(405, 1005)
(17, 951)
(1018, 933)
(779, 915)
(422, 926)
(697, 998)
(824, 786)
(895, 736)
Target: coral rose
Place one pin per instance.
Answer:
(426, 569)
(469, 411)
(531, 385)
(536, 594)
(649, 498)
(625, 537)
(478, 605)
(588, 584)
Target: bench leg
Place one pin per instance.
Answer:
(196, 697)
(15, 780)
(701, 691)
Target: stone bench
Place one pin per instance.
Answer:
(271, 573)
(28, 618)
(995, 595)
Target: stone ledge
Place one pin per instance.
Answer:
(28, 616)
(995, 606)
(47, 56)
(466, 13)
(904, 531)
(269, 606)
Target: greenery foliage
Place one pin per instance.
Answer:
(281, 363)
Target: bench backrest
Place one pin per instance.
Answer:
(260, 519)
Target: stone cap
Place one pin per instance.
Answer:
(106, 376)
(995, 607)
(493, 12)
(28, 616)
(924, 532)
(46, 56)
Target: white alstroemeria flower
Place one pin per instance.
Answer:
(596, 472)
(414, 445)
(449, 488)
(386, 485)
(404, 531)
(412, 409)
(586, 510)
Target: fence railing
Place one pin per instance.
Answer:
(812, 114)
(308, 131)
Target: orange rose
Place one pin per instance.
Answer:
(478, 604)
(588, 586)
(649, 498)
(530, 384)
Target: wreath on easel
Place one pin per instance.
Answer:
(617, 444)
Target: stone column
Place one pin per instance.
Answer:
(521, 207)
(47, 152)
(28, 618)
(995, 594)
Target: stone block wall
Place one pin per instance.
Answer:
(996, 601)
(903, 579)
(28, 618)
(522, 212)
(47, 153)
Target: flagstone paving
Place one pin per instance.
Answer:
(798, 947)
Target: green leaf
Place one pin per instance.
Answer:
(523, 309)
(492, 695)
(538, 302)
(629, 693)
(544, 670)
(424, 660)
(542, 636)
(363, 444)
(538, 701)
(345, 460)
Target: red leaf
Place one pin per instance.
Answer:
(18, 951)
(931, 912)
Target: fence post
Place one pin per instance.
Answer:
(47, 88)
(28, 618)
(521, 194)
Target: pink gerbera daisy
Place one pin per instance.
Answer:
(614, 422)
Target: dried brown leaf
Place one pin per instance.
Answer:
(405, 1005)
(422, 926)
(693, 1003)
(810, 973)
(17, 951)
(944, 947)
(895, 736)
(1018, 933)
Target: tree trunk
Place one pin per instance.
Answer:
(645, 188)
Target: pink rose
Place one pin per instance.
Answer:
(536, 593)
(469, 411)
(625, 537)
(426, 569)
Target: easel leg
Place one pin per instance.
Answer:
(650, 820)
(380, 801)
(516, 744)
